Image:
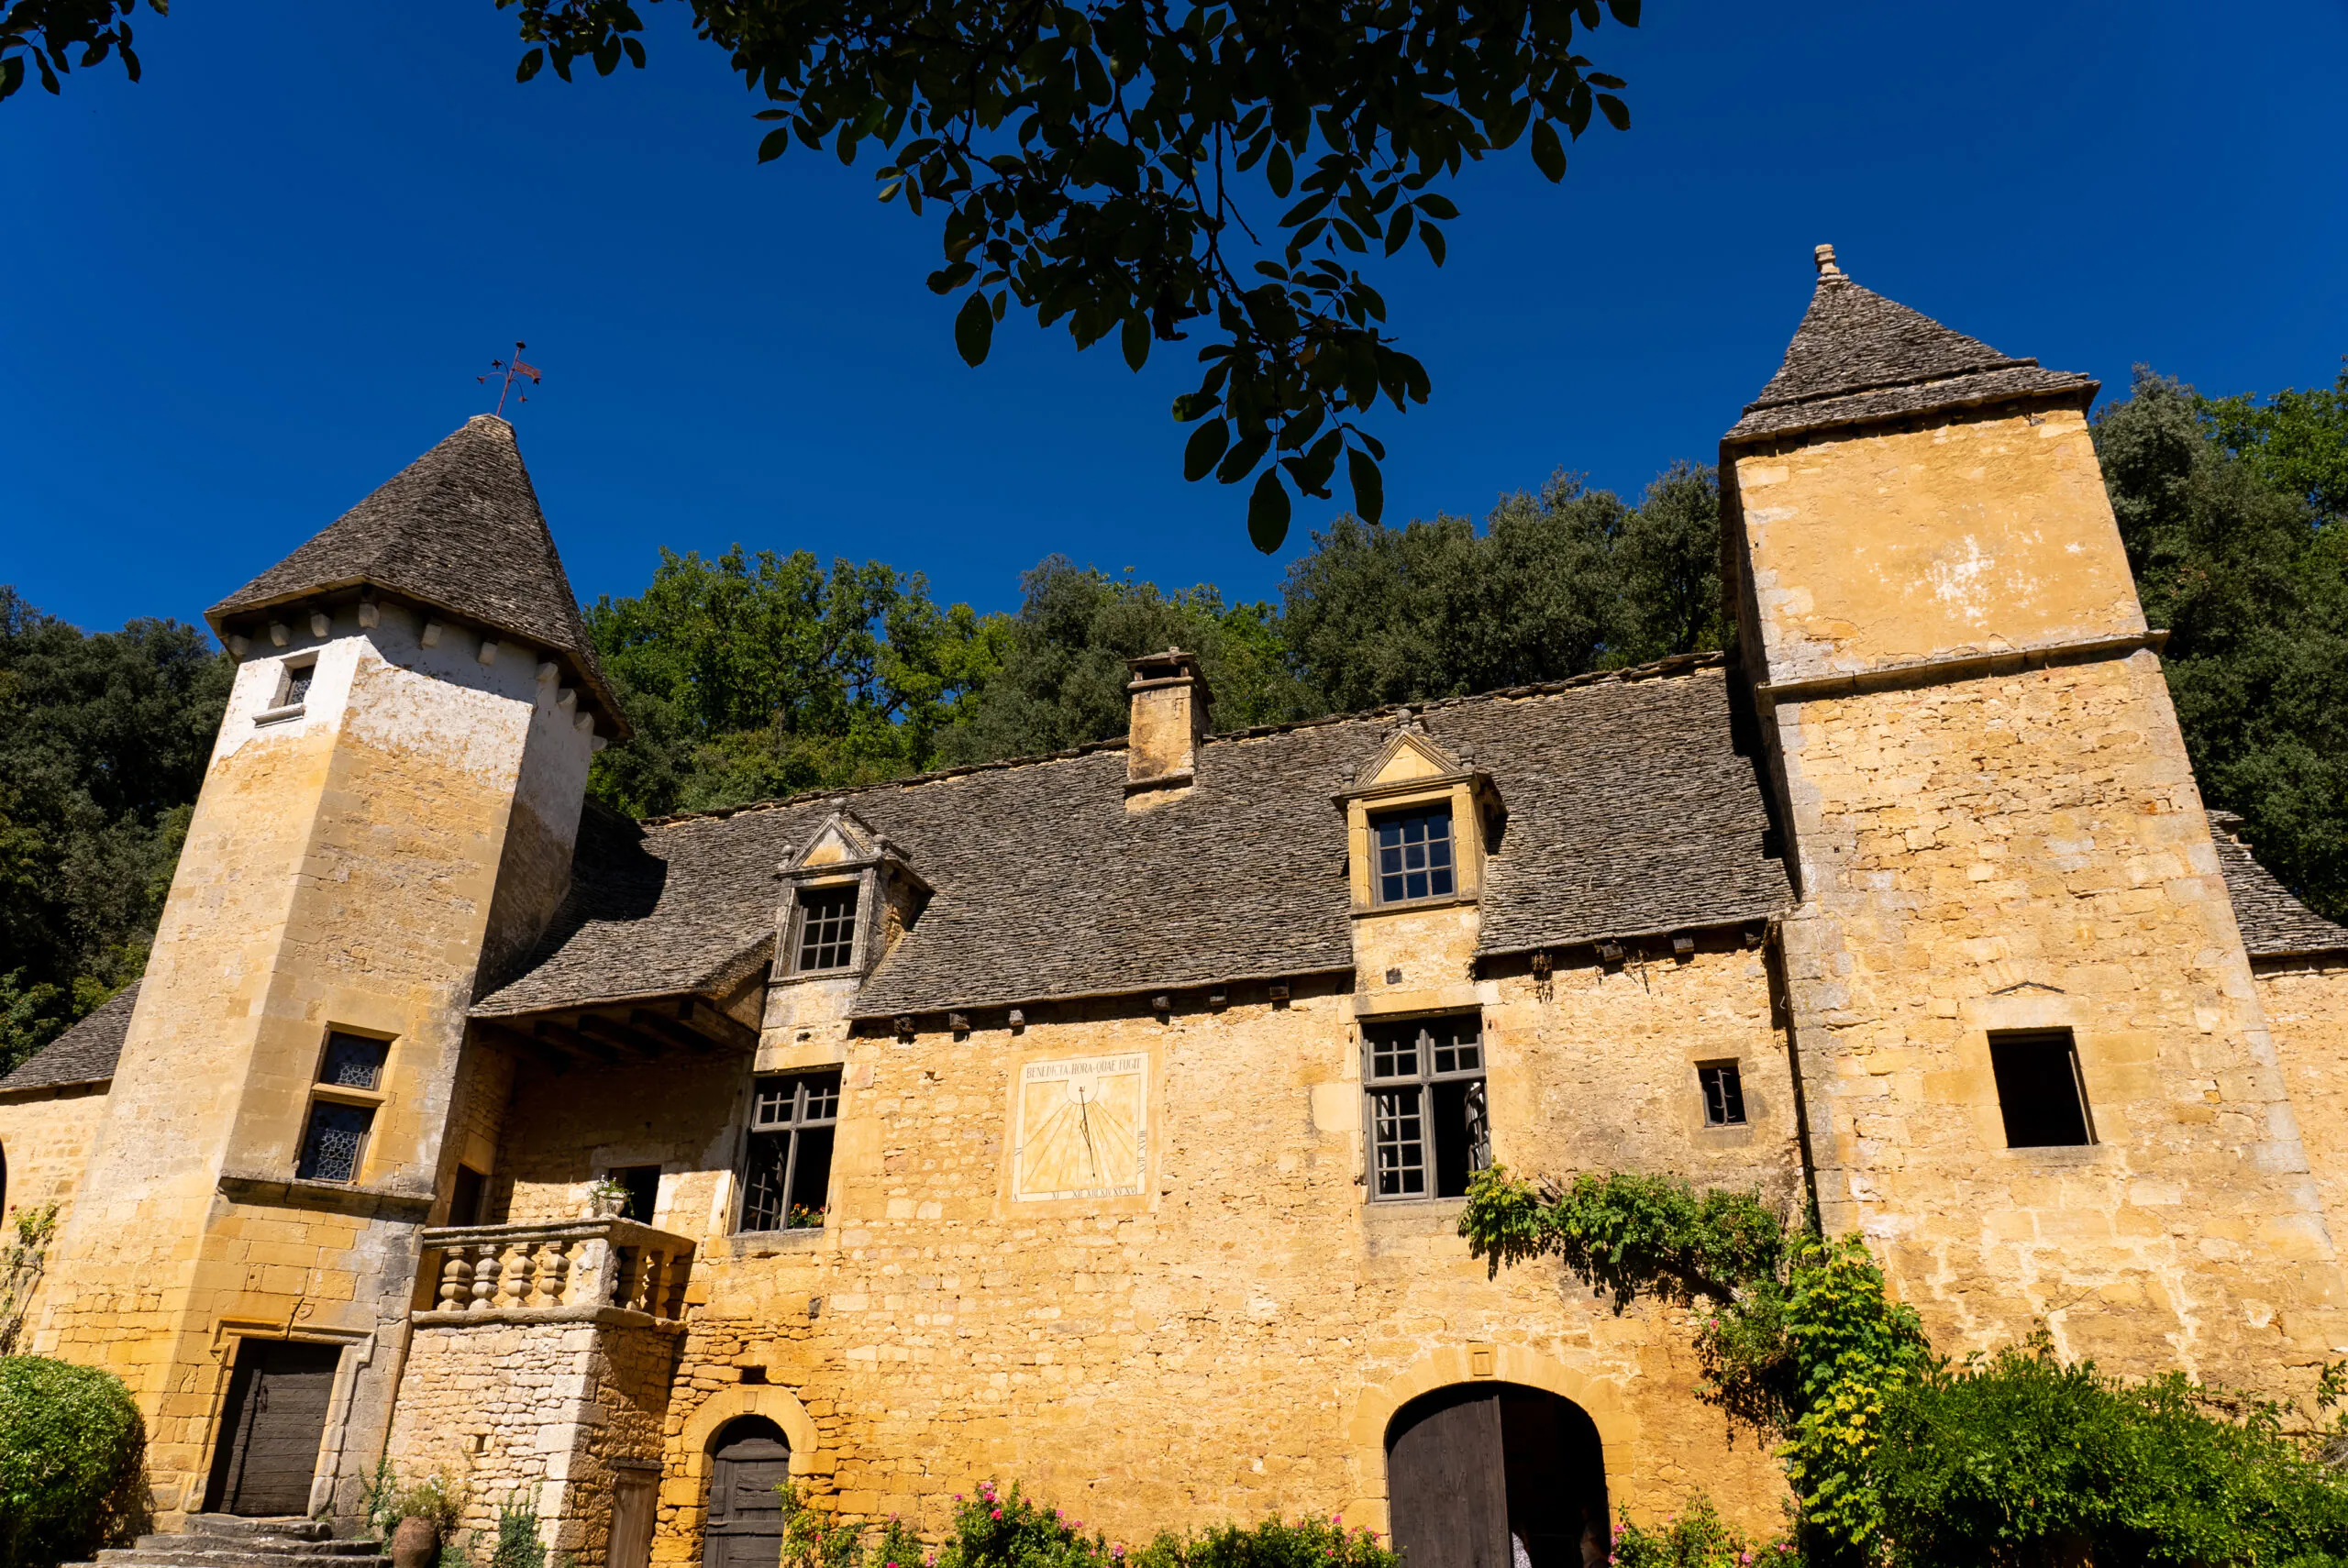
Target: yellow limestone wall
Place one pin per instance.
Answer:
(1981, 852)
(2306, 1004)
(339, 872)
(1230, 1340)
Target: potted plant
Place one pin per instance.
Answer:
(427, 1513)
(606, 1199)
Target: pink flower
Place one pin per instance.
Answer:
(997, 1514)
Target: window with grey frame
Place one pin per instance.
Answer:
(1413, 854)
(1429, 1127)
(826, 929)
(787, 1162)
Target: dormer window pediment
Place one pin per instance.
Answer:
(848, 895)
(1420, 820)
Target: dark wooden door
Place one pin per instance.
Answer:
(266, 1454)
(1446, 1481)
(745, 1529)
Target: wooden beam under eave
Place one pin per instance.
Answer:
(611, 1032)
(703, 1017)
(571, 1040)
(670, 1031)
(544, 1052)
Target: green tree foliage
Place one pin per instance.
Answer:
(1697, 1536)
(1895, 1457)
(1061, 681)
(1099, 162)
(50, 34)
(103, 740)
(2023, 1459)
(70, 1479)
(1002, 1527)
(1555, 584)
(755, 676)
(2232, 515)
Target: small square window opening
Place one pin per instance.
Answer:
(787, 1169)
(2040, 1091)
(826, 929)
(1429, 1130)
(643, 1185)
(1724, 1094)
(1413, 854)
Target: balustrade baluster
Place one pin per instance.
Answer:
(556, 1281)
(485, 1274)
(679, 1272)
(456, 1280)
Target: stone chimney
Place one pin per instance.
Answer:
(1171, 703)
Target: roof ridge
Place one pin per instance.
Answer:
(1671, 664)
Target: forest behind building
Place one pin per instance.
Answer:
(762, 673)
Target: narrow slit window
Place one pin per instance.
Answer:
(2040, 1091)
(1429, 1130)
(1413, 854)
(1724, 1094)
(787, 1170)
(297, 684)
(827, 929)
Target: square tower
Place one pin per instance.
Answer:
(2033, 1064)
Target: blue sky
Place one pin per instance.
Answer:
(245, 291)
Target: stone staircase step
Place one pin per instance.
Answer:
(179, 1552)
(262, 1545)
(293, 1525)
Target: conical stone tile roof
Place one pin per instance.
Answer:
(458, 530)
(1858, 358)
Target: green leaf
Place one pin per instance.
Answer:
(1548, 152)
(974, 329)
(1267, 512)
(1369, 485)
(531, 63)
(1136, 336)
(1625, 11)
(1432, 238)
(1241, 459)
(774, 144)
(1280, 171)
(1617, 113)
(1204, 447)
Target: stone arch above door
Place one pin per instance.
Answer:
(777, 1405)
(1470, 1363)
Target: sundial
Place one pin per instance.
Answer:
(1083, 1128)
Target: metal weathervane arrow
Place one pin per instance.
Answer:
(507, 370)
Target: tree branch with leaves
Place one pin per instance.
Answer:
(1096, 164)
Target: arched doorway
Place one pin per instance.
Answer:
(1496, 1475)
(750, 1458)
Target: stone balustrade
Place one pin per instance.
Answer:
(573, 1269)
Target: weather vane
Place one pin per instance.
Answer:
(508, 370)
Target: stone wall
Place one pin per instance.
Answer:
(533, 1412)
(45, 1138)
(2306, 1004)
(1229, 1342)
(2024, 852)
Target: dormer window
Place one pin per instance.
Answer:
(826, 928)
(1413, 854)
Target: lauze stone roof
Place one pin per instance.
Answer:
(84, 1054)
(1859, 358)
(459, 530)
(2274, 923)
(1630, 811)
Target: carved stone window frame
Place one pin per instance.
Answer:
(1477, 818)
(873, 868)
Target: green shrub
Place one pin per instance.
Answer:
(71, 1474)
(2022, 1459)
(998, 1529)
(518, 1545)
(1698, 1537)
(1005, 1530)
(1274, 1543)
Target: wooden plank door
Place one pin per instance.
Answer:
(267, 1455)
(744, 1527)
(1446, 1482)
(629, 1544)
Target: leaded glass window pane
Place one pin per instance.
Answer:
(1414, 854)
(827, 929)
(331, 1146)
(353, 1061)
(297, 683)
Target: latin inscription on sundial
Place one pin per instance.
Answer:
(1083, 1128)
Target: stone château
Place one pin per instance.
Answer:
(1099, 1121)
